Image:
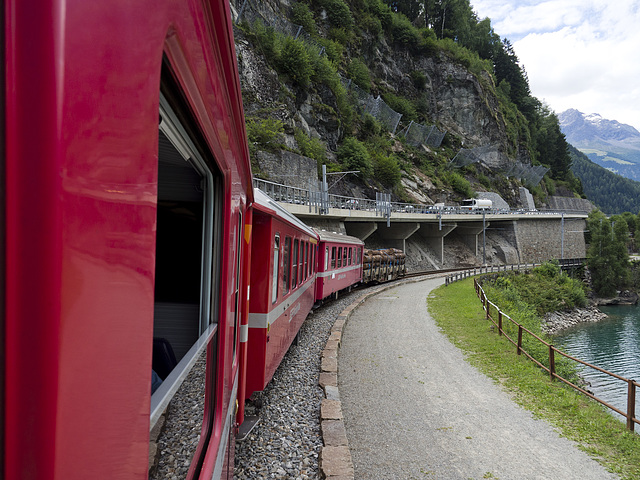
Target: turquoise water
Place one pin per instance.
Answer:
(612, 344)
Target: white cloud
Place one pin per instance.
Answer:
(582, 54)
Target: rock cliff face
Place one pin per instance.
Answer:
(457, 101)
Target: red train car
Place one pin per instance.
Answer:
(339, 263)
(283, 273)
(126, 179)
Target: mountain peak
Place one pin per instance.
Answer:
(579, 127)
(609, 143)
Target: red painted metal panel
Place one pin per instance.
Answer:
(82, 132)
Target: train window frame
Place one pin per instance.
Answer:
(294, 263)
(326, 258)
(301, 262)
(236, 317)
(339, 257)
(286, 266)
(175, 132)
(275, 268)
(350, 255)
(333, 258)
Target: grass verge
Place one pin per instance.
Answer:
(458, 312)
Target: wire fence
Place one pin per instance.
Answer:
(417, 134)
(488, 156)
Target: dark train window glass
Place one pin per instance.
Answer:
(339, 257)
(306, 259)
(350, 253)
(344, 256)
(276, 268)
(301, 262)
(294, 267)
(333, 257)
(286, 267)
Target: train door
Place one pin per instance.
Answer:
(274, 272)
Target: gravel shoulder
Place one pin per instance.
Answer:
(414, 408)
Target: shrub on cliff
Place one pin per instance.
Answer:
(353, 155)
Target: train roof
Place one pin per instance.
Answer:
(337, 237)
(265, 203)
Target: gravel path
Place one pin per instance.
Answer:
(415, 409)
(287, 441)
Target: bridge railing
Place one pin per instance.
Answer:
(302, 196)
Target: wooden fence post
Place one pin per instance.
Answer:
(552, 362)
(631, 405)
(519, 348)
(499, 322)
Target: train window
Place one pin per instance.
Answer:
(286, 267)
(301, 262)
(294, 266)
(188, 219)
(306, 260)
(350, 253)
(344, 256)
(339, 257)
(326, 259)
(274, 274)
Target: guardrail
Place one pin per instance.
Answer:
(315, 202)
(498, 318)
(565, 264)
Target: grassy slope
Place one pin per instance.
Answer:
(460, 316)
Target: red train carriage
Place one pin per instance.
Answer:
(282, 287)
(339, 263)
(126, 179)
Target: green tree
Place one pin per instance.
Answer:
(353, 155)
(387, 171)
(607, 256)
(296, 62)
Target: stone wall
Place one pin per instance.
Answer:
(569, 203)
(539, 240)
(288, 168)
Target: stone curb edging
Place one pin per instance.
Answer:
(335, 457)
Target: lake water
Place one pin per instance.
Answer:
(612, 344)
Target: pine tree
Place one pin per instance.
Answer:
(608, 258)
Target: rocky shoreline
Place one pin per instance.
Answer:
(555, 322)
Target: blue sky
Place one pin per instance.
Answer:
(582, 54)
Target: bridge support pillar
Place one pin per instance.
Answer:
(396, 235)
(434, 234)
(362, 230)
(469, 233)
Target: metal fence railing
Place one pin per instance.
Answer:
(301, 196)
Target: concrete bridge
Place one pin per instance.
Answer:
(533, 236)
(451, 236)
